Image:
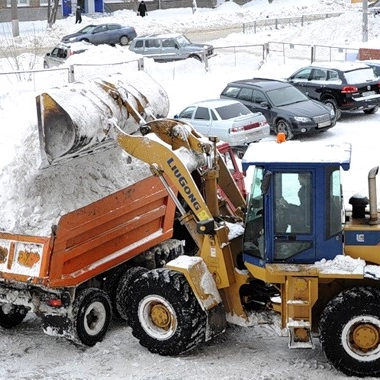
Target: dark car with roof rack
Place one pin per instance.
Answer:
(286, 109)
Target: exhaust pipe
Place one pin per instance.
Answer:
(373, 219)
(78, 119)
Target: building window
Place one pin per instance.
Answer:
(21, 3)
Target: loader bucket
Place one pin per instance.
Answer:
(78, 119)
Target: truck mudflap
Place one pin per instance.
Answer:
(204, 288)
(78, 119)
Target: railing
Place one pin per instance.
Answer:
(63, 75)
(277, 23)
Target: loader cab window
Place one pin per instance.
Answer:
(254, 230)
(293, 194)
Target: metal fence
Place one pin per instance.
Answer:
(40, 78)
(242, 55)
(282, 22)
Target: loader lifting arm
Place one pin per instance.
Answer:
(205, 225)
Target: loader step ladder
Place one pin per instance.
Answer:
(300, 296)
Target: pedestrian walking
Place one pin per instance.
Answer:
(78, 15)
(142, 10)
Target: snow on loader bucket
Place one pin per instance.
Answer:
(78, 119)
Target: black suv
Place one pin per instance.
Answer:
(286, 109)
(374, 7)
(344, 86)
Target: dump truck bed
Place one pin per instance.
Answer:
(91, 240)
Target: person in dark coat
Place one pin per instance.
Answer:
(142, 9)
(78, 15)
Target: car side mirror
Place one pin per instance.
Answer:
(48, 54)
(264, 104)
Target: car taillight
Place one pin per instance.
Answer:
(246, 127)
(349, 89)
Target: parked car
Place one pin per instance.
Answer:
(375, 64)
(374, 7)
(110, 34)
(227, 119)
(287, 109)
(61, 52)
(343, 86)
(170, 47)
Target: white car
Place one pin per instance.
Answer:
(62, 51)
(227, 119)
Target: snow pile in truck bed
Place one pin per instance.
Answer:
(32, 200)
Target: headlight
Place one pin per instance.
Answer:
(332, 113)
(72, 39)
(301, 119)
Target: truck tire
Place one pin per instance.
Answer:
(125, 281)
(13, 317)
(350, 332)
(164, 314)
(91, 316)
(111, 283)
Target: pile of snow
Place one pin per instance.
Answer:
(32, 200)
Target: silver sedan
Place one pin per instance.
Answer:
(229, 120)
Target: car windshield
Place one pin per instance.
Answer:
(360, 76)
(183, 41)
(232, 110)
(286, 95)
(87, 29)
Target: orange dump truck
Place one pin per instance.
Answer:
(77, 277)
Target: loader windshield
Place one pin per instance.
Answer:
(254, 230)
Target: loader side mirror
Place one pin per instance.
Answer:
(266, 182)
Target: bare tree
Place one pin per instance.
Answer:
(52, 10)
(15, 24)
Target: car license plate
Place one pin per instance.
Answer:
(368, 93)
(324, 124)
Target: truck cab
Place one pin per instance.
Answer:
(295, 208)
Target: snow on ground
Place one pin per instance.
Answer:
(243, 352)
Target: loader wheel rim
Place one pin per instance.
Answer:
(95, 318)
(157, 317)
(361, 338)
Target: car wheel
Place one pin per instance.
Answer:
(284, 127)
(331, 103)
(124, 40)
(371, 110)
(197, 57)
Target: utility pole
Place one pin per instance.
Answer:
(15, 24)
(365, 21)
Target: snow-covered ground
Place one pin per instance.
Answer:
(254, 352)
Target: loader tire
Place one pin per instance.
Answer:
(125, 281)
(164, 314)
(91, 316)
(350, 332)
(13, 317)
